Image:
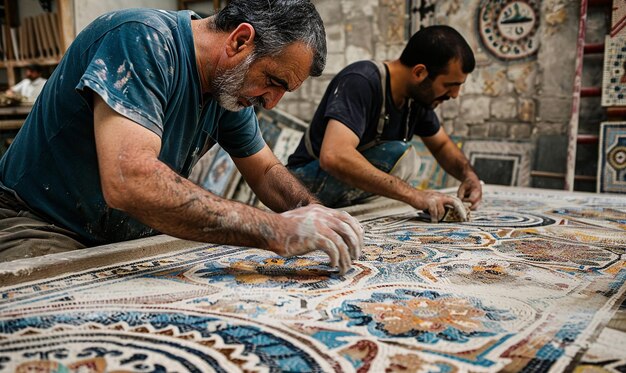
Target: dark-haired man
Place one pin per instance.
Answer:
(139, 96)
(356, 148)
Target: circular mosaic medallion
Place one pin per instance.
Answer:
(617, 157)
(508, 29)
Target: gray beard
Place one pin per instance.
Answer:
(227, 85)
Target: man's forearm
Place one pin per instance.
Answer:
(357, 172)
(454, 162)
(281, 191)
(175, 206)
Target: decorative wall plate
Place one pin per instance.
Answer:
(508, 29)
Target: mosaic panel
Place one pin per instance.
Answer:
(612, 158)
(528, 285)
(614, 73)
(502, 163)
(222, 175)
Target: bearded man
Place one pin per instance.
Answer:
(138, 98)
(357, 145)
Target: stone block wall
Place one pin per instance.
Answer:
(508, 99)
(355, 30)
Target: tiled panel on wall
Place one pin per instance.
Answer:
(499, 162)
(612, 158)
(614, 75)
(222, 176)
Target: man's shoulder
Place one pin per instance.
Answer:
(365, 68)
(161, 20)
(359, 75)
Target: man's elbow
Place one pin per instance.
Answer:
(116, 196)
(123, 192)
(329, 161)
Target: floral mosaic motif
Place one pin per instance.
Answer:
(575, 256)
(273, 272)
(587, 235)
(523, 278)
(599, 213)
(444, 237)
(390, 253)
(255, 306)
(424, 316)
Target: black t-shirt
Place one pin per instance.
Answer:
(354, 98)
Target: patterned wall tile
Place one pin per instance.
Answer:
(614, 75)
(499, 162)
(612, 158)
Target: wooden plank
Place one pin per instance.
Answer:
(53, 20)
(45, 35)
(39, 39)
(29, 38)
(8, 45)
(572, 133)
(22, 41)
(11, 124)
(50, 34)
(66, 23)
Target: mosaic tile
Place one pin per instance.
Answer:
(614, 73)
(528, 285)
(499, 162)
(612, 158)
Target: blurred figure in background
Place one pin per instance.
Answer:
(29, 88)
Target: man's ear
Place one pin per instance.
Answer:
(420, 72)
(240, 39)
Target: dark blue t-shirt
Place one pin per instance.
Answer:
(354, 98)
(142, 63)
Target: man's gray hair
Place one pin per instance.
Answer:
(277, 24)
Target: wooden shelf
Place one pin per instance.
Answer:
(24, 63)
(41, 39)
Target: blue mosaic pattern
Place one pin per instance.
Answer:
(523, 287)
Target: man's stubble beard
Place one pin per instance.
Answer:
(227, 85)
(424, 94)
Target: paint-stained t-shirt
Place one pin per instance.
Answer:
(142, 63)
(354, 98)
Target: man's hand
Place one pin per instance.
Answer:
(315, 227)
(435, 203)
(471, 191)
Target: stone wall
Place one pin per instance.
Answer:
(506, 98)
(355, 30)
